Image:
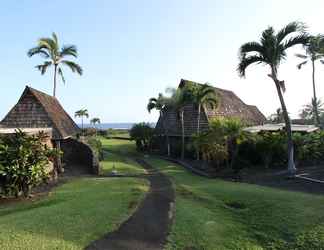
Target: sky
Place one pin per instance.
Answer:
(132, 50)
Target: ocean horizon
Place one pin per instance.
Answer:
(114, 125)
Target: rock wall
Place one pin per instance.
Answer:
(77, 154)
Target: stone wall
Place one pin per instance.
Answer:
(77, 154)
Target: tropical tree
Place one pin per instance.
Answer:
(310, 109)
(49, 49)
(277, 117)
(179, 99)
(203, 95)
(82, 113)
(161, 104)
(271, 51)
(95, 121)
(314, 51)
(142, 133)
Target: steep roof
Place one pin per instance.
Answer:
(230, 105)
(37, 109)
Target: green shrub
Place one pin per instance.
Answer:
(96, 146)
(23, 162)
(142, 133)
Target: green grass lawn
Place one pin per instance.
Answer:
(72, 216)
(122, 164)
(119, 146)
(214, 214)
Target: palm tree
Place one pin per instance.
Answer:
(203, 95)
(55, 56)
(271, 51)
(161, 105)
(309, 110)
(179, 99)
(314, 51)
(277, 117)
(82, 113)
(94, 121)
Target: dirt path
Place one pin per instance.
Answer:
(148, 227)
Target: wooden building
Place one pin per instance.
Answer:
(230, 105)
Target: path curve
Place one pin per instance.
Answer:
(148, 227)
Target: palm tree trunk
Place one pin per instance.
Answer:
(82, 125)
(291, 164)
(165, 133)
(183, 134)
(198, 129)
(316, 118)
(55, 73)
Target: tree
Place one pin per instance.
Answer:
(203, 95)
(277, 117)
(50, 50)
(161, 105)
(179, 99)
(271, 51)
(142, 133)
(312, 109)
(314, 51)
(82, 113)
(95, 121)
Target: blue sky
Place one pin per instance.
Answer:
(132, 50)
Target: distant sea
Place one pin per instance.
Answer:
(123, 125)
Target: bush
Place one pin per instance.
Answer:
(23, 162)
(142, 133)
(96, 146)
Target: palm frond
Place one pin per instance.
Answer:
(297, 40)
(301, 56)
(301, 64)
(48, 43)
(39, 50)
(251, 47)
(43, 67)
(60, 72)
(69, 50)
(290, 28)
(247, 61)
(73, 66)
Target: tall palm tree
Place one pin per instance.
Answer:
(161, 105)
(95, 121)
(271, 51)
(179, 99)
(203, 95)
(82, 113)
(50, 50)
(314, 51)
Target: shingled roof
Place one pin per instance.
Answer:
(230, 105)
(36, 109)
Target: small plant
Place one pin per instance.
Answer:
(23, 162)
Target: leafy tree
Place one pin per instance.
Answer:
(82, 113)
(314, 51)
(161, 104)
(50, 50)
(142, 133)
(23, 162)
(203, 95)
(272, 51)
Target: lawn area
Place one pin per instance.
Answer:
(72, 216)
(215, 214)
(122, 164)
(115, 154)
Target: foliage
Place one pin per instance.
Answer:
(142, 133)
(23, 162)
(277, 117)
(310, 109)
(96, 146)
(49, 49)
